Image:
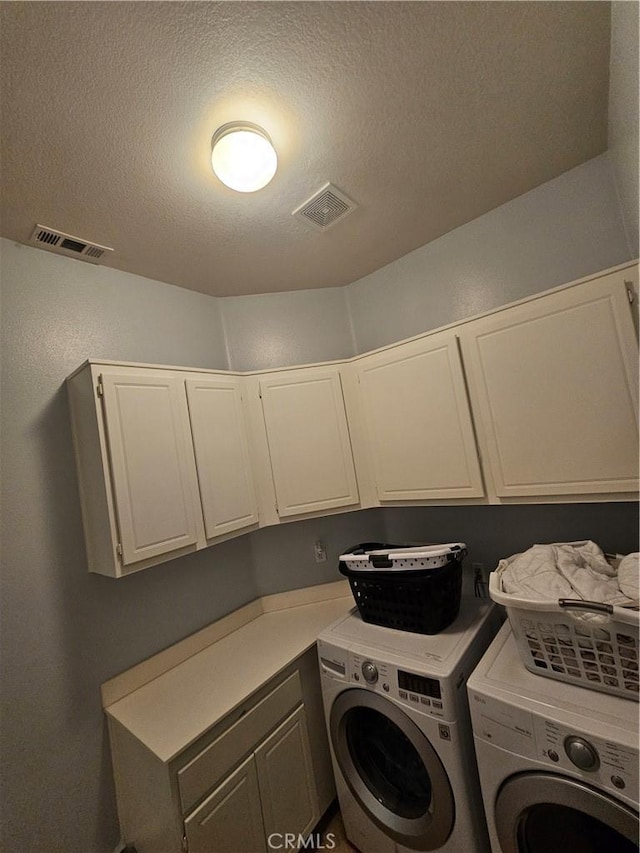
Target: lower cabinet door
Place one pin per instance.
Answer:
(285, 777)
(230, 819)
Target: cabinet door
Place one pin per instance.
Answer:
(416, 411)
(308, 438)
(230, 819)
(285, 776)
(222, 454)
(555, 383)
(153, 484)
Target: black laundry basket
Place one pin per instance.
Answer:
(409, 589)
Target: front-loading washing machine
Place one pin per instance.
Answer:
(400, 735)
(558, 763)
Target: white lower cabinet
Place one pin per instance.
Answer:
(286, 780)
(230, 818)
(271, 794)
(265, 771)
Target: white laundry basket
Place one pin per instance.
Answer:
(582, 642)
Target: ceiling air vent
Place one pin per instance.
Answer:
(67, 244)
(325, 208)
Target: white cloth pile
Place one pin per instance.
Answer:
(571, 570)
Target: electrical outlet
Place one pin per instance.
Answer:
(320, 551)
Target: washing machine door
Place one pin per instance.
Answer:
(392, 770)
(545, 813)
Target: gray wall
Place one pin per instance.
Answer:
(494, 532)
(623, 113)
(65, 631)
(281, 329)
(283, 556)
(562, 230)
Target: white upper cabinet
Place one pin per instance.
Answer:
(535, 401)
(163, 463)
(308, 441)
(554, 381)
(147, 433)
(420, 434)
(222, 454)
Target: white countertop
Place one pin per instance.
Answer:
(176, 708)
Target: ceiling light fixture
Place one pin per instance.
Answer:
(242, 156)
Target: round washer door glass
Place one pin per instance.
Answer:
(392, 769)
(572, 818)
(388, 762)
(547, 828)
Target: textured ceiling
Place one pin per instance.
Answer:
(427, 114)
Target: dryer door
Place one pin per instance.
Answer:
(392, 770)
(545, 813)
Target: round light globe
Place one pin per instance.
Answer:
(242, 157)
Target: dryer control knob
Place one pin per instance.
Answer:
(370, 672)
(581, 753)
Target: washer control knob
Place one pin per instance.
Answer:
(553, 755)
(581, 753)
(370, 672)
(619, 782)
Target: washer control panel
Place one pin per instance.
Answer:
(604, 763)
(441, 698)
(430, 695)
(413, 689)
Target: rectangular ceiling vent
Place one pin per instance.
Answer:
(325, 208)
(67, 244)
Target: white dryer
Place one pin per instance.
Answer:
(401, 743)
(558, 763)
